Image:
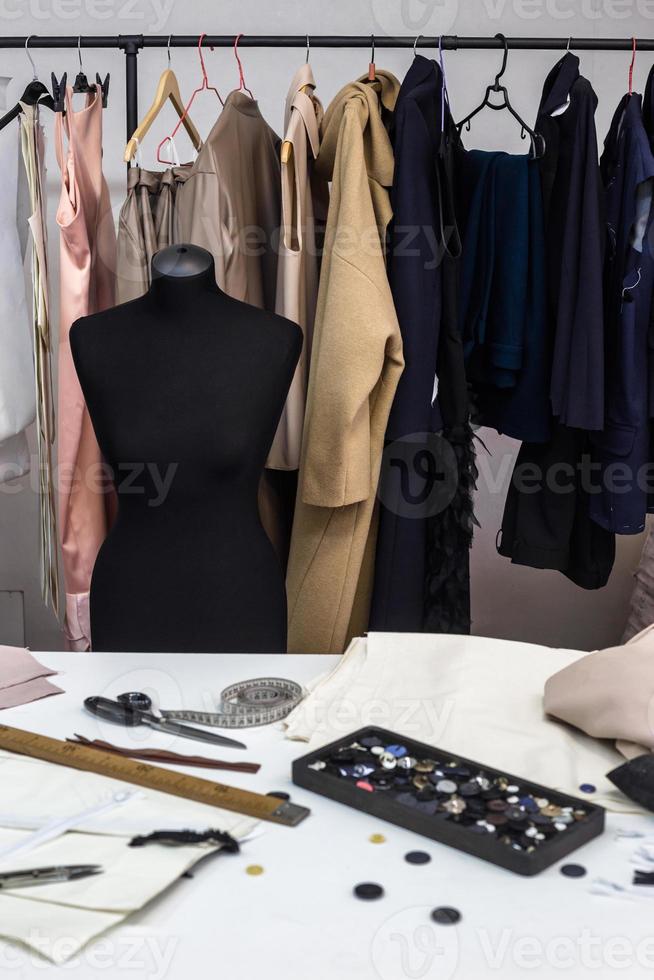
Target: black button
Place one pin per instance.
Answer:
(446, 916)
(368, 891)
(417, 857)
(573, 870)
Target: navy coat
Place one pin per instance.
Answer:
(573, 203)
(546, 521)
(622, 448)
(422, 232)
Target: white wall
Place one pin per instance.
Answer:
(507, 601)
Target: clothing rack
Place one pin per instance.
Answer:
(131, 44)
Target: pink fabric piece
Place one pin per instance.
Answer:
(17, 666)
(34, 690)
(23, 678)
(87, 280)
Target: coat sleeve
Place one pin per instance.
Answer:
(577, 385)
(356, 337)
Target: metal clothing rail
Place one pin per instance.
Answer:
(131, 44)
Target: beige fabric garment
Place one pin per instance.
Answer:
(356, 363)
(474, 697)
(58, 920)
(305, 199)
(33, 149)
(641, 610)
(230, 202)
(610, 694)
(17, 406)
(145, 225)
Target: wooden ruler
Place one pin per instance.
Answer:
(151, 777)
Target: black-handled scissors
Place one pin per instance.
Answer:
(126, 712)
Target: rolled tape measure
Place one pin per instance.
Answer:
(249, 704)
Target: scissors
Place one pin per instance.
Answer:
(134, 708)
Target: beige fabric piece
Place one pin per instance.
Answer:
(305, 199)
(356, 363)
(132, 876)
(230, 202)
(33, 150)
(610, 694)
(17, 405)
(41, 791)
(641, 611)
(146, 224)
(43, 915)
(56, 932)
(471, 696)
(58, 920)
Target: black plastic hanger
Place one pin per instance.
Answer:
(537, 141)
(81, 84)
(35, 92)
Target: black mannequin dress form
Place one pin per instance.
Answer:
(185, 387)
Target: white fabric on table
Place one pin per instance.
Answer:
(57, 920)
(470, 696)
(41, 791)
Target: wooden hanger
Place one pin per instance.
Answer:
(287, 146)
(168, 88)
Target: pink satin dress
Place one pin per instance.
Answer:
(87, 278)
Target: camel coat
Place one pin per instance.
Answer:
(356, 363)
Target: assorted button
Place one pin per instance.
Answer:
(417, 857)
(368, 891)
(573, 870)
(448, 789)
(446, 916)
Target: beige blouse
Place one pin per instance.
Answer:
(305, 199)
(230, 203)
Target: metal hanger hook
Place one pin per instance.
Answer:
(567, 47)
(242, 87)
(308, 50)
(79, 52)
(631, 66)
(372, 49)
(170, 37)
(502, 38)
(31, 59)
(415, 45)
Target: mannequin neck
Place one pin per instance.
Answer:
(180, 291)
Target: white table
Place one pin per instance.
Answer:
(300, 920)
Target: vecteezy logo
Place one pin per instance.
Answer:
(413, 17)
(408, 946)
(419, 475)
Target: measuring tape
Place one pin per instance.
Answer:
(247, 705)
(151, 777)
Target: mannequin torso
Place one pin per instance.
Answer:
(185, 387)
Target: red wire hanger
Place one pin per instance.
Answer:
(631, 66)
(242, 87)
(204, 87)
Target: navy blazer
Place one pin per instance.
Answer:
(421, 233)
(573, 202)
(623, 450)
